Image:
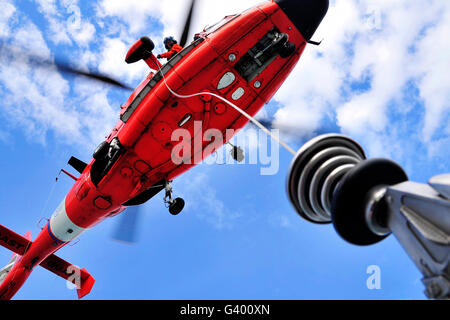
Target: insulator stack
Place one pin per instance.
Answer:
(315, 174)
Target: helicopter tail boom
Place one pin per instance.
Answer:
(14, 275)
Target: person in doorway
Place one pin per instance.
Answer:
(172, 47)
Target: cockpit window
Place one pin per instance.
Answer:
(220, 24)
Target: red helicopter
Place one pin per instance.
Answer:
(235, 66)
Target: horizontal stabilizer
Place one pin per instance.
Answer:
(13, 241)
(79, 277)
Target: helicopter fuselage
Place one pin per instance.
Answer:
(244, 59)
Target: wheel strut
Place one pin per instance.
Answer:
(175, 205)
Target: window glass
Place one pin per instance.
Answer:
(220, 24)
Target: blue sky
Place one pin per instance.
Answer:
(378, 77)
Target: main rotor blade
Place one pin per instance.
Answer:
(26, 57)
(127, 227)
(292, 131)
(63, 67)
(187, 25)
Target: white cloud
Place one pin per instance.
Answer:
(38, 99)
(6, 14)
(135, 13)
(204, 200)
(66, 23)
(385, 54)
(48, 6)
(112, 61)
(29, 102)
(96, 113)
(434, 82)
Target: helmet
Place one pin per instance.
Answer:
(169, 42)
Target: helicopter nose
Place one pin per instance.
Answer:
(305, 14)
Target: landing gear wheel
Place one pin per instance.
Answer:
(287, 50)
(176, 206)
